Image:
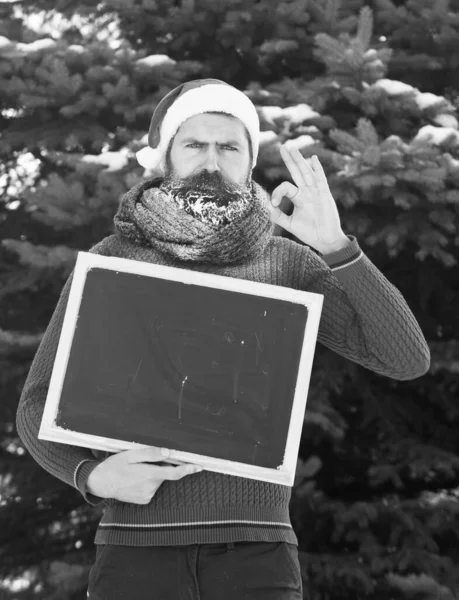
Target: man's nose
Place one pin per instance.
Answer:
(211, 160)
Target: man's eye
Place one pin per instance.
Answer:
(196, 145)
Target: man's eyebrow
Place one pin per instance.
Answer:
(190, 140)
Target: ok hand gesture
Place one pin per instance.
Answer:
(315, 219)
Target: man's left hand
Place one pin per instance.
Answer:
(315, 220)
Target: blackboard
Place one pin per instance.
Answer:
(202, 370)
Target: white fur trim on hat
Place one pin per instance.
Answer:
(148, 158)
(207, 98)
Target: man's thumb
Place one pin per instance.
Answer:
(151, 454)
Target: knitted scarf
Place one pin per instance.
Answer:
(148, 216)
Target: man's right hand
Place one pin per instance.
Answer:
(127, 477)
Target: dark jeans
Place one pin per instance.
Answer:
(239, 571)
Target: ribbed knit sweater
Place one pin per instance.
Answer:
(364, 318)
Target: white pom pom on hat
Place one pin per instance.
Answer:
(188, 100)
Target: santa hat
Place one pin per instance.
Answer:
(190, 99)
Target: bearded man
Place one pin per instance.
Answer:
(171, 532)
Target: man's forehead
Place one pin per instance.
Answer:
(212, 126)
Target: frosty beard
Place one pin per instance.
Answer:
(208, 196)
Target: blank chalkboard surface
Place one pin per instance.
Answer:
(184, 360)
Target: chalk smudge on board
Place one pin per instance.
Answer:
(237, 372)
(254, 452)
(137, 372)
(258, 349)
(181, 398)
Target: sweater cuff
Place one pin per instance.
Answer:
(82, 472)
(345, 257)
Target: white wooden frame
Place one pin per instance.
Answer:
(285, 473)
